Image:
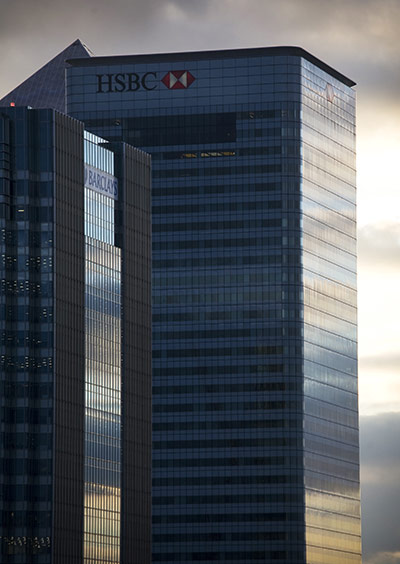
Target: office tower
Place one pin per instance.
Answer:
(255, 389)
(255, 426)
(75, 344)
(46, 87)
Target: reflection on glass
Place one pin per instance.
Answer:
(330, 315)
(102, 502)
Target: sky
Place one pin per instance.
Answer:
(360, 38)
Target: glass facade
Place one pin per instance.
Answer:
(255, 454)
(46, 87)
(102, 504)
(75, 386)
(26, 329)
(331, 459)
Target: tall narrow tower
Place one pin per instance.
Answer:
(75, 383)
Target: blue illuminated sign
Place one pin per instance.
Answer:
(101, 182)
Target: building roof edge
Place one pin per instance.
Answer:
(215, 54)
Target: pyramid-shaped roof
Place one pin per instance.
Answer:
(46, 87)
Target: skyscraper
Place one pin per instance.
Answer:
(255, 451)
(255, 425)
(75, 344)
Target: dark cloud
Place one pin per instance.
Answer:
(379, 246)
(30, 37)
(380, 445)
(380, 487)
(359, 37)
(383, 558)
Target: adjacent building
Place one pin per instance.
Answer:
(46, 87)
(75, 383)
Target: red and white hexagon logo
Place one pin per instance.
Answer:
(176, 80)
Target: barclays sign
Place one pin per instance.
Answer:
(101, 182)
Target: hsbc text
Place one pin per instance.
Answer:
(126, 82)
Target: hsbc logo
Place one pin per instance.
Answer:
(177, 80)
(133, 81)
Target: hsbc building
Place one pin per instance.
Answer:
(255, 448)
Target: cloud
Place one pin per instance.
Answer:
(388, 362)
(379, 392)
(380, 487)
(380, 443)
(379, 369)
(379, 246)
(383, 558)
(30, 37)
(359, 37)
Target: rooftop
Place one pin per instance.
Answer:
(283, 51)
